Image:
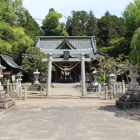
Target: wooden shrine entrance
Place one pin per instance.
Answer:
(50, 60)
(66, 72)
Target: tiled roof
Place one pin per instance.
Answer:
(9, 60)
(73, 42)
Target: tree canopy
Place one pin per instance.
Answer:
(109, 28)
(134, 56)
(81, 24)
(131, 16)
(51, 25)
(16, 34)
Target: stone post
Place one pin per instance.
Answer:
(123, 87)
(8, 87)
(106, 92)
(111, 92)
(25, 93)
(11, 89)
(119, 88)
(14, 87)
(114, 88)
(20, 93)
(83, 75)
(49, 74)
(99, 87)
(17, 88)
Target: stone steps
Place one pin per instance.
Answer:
(65, 85)
(51, 97)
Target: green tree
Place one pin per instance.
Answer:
(91, 26)
(134, 56)
(131, 16)
(51, 25)
(116, 46)
(20, 42)
(106, 66)
(110, 27)
(76, 25)
(33, 61)
(31, 27)
(13, 38)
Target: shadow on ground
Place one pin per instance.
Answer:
(118, 112)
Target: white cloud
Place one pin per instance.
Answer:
(39, 8)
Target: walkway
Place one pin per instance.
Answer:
(67, 119)
(60, 91)
(66, 90)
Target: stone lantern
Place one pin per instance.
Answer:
(132, 95)
(1, 76)
(133, 75)
(36, 76)
(5, 100)
(95, 75)
(112, 78)
(19, 78)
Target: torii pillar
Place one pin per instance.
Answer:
(49, 74)
(83, 74)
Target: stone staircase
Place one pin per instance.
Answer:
(65, 85)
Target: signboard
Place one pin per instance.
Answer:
(66, 54)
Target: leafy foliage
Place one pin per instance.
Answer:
(77, 23)
(33, 61)
(109, 28)
(116, 46)
(131, 16)
(134, 56)
(51, 25)
(92, 25)
(31, 27)
(110, 65)
(17, 29)
(81, 24)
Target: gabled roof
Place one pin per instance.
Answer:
(73, 42)
(65, 42)
(8, 60)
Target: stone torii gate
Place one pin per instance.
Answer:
(50, 59)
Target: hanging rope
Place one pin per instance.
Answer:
(65, 66)
(66, 69)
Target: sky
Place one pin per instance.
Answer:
(39, 8)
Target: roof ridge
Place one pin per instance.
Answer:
(65, 40)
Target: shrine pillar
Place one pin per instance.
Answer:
(49, 74)
(83, 74)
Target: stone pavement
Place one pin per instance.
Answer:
(66, 91)
(67, 119)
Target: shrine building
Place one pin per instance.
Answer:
(68, 68)
(12, 68)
